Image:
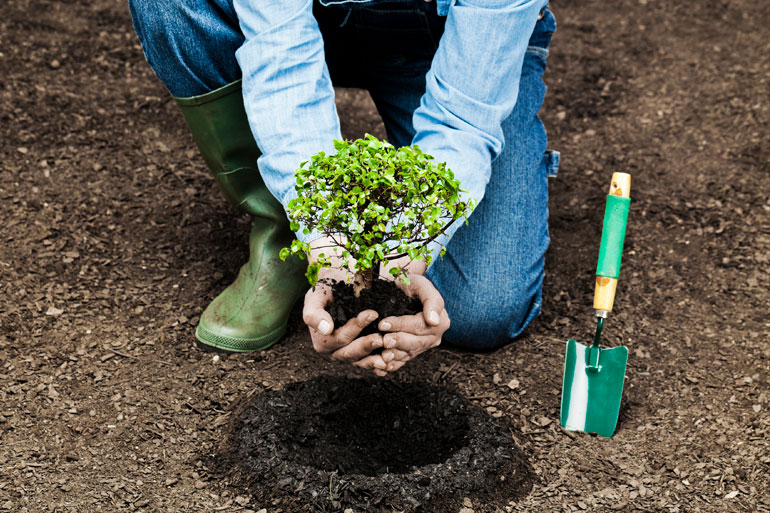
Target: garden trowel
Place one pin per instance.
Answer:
(593, 376)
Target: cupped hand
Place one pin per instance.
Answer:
(342, 344)
(410, 335)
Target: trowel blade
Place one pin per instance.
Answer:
(590, 397)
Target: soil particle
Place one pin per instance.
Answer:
(377, 445)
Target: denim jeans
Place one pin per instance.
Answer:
(491, 276)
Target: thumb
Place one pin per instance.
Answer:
(314, 311)
(430, 297)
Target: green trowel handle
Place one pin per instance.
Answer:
(613, 237)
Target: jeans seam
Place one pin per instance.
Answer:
(537, 50)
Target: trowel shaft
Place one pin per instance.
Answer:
(599, 327)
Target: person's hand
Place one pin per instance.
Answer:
(410, 335)
(342, 344)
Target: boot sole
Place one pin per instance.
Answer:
(209, 341)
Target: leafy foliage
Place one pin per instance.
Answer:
(375, 201)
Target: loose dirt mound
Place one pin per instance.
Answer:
(377, 445)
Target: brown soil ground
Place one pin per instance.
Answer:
(114, 238)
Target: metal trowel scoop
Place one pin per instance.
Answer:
(594, 376)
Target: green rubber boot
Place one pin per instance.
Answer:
(250, 314)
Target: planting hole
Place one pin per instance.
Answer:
(368, 428)
(374, 445)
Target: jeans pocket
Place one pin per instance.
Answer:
(551, 160)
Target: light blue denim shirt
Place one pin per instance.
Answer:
(471, 88)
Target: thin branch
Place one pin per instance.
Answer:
(424, 242)
(327, 246)
(338, 243)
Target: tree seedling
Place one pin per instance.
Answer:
(377, 203)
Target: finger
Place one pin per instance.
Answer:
(380, 373)
(408, 323)
(399, 359)
(412, 344)
(343, 336)
(398, 354)
(371, 362)
(314, 311)
(324, 343)
(432, 302)
(353, 327)
(394, 365)
(359, 348)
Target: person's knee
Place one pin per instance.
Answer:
(154, 24)
(489, 317)
(190, 45)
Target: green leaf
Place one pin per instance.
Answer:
(312, 273)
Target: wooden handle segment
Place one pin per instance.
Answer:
(613, 236)
(620, 185)
(604, 295)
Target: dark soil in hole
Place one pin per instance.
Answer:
(377, 445)
(384, 297)
(367, 428)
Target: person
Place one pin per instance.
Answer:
(462, 79)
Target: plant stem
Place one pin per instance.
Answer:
(363, 280)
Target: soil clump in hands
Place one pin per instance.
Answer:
(384, 297)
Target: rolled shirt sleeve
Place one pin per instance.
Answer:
(287, 90)
(472, 87)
